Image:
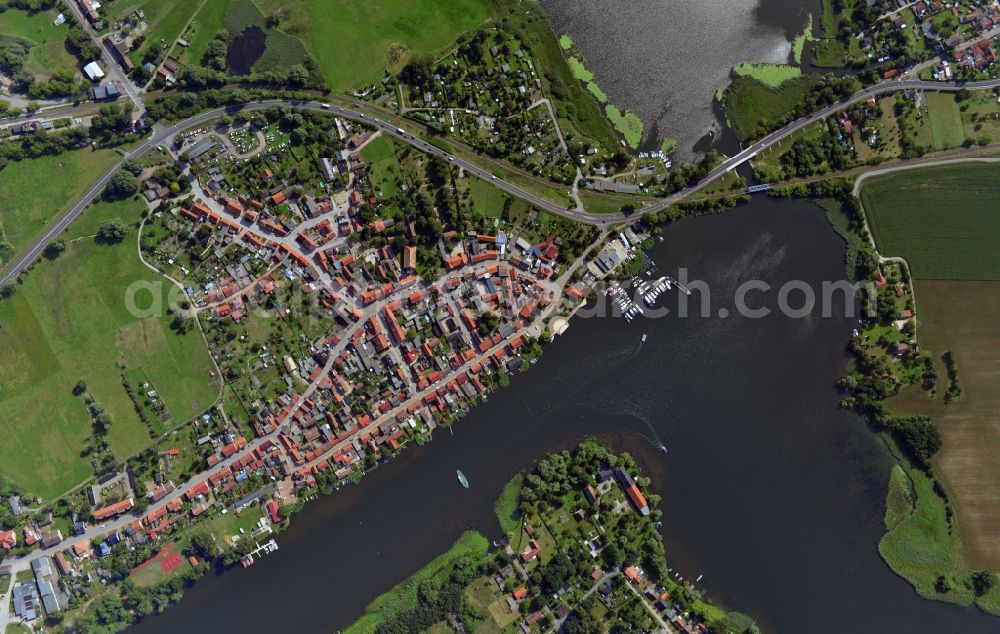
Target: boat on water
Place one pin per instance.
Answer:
(462, 479)
(643, 340)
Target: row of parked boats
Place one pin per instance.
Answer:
(648, 290)
(652, 289)
(629, 309)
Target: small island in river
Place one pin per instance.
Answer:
(580, 553)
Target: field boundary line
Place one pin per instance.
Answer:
(867, 227)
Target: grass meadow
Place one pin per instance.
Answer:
(940, 126)
(752, 107)
(68, 321)
(26, 208)
(404, 595)
(960, 317)
(943, 220)
(48, 43)
(380, 155)
(355, 42)
(166, 19)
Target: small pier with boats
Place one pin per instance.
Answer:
(267, 547)
(648, 291)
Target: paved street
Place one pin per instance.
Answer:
(164, 135)
(109, 65)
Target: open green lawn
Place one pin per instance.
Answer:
(354, 42)
(204, 27)
(380, 155)
(69, 321)
(485, 199)
(753, 107)
(981, 116)
(944, 220)
(166, 19)
(48, 53)
(939, 126)
(404, 595)
(598, 204)
(26, 207)
(919, 547)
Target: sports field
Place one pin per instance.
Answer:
(961, 317)
(944, 220)
(25, 207)
(159, 567)
(354, 42)
(69, 321)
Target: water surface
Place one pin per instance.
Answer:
(665, 59)
(769, 490)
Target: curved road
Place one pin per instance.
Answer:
(164, 135)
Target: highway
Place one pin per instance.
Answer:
(164, 136)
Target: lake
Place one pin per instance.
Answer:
(769, 490)
(665, 59)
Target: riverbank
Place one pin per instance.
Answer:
(542, 576)
(625, 122)
(924, 541)
(945, 546)
(598, 381)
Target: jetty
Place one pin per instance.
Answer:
(261, 549)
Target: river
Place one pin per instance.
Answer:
(665, 59)
(769, 490)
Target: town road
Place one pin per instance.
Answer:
(111, 67)
(162, 135)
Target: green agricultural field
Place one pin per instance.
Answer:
(753, 107)
(47, 52)
(960, 317)
(943, 220)
(25, 208)
(69, 321)
(355, 42)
